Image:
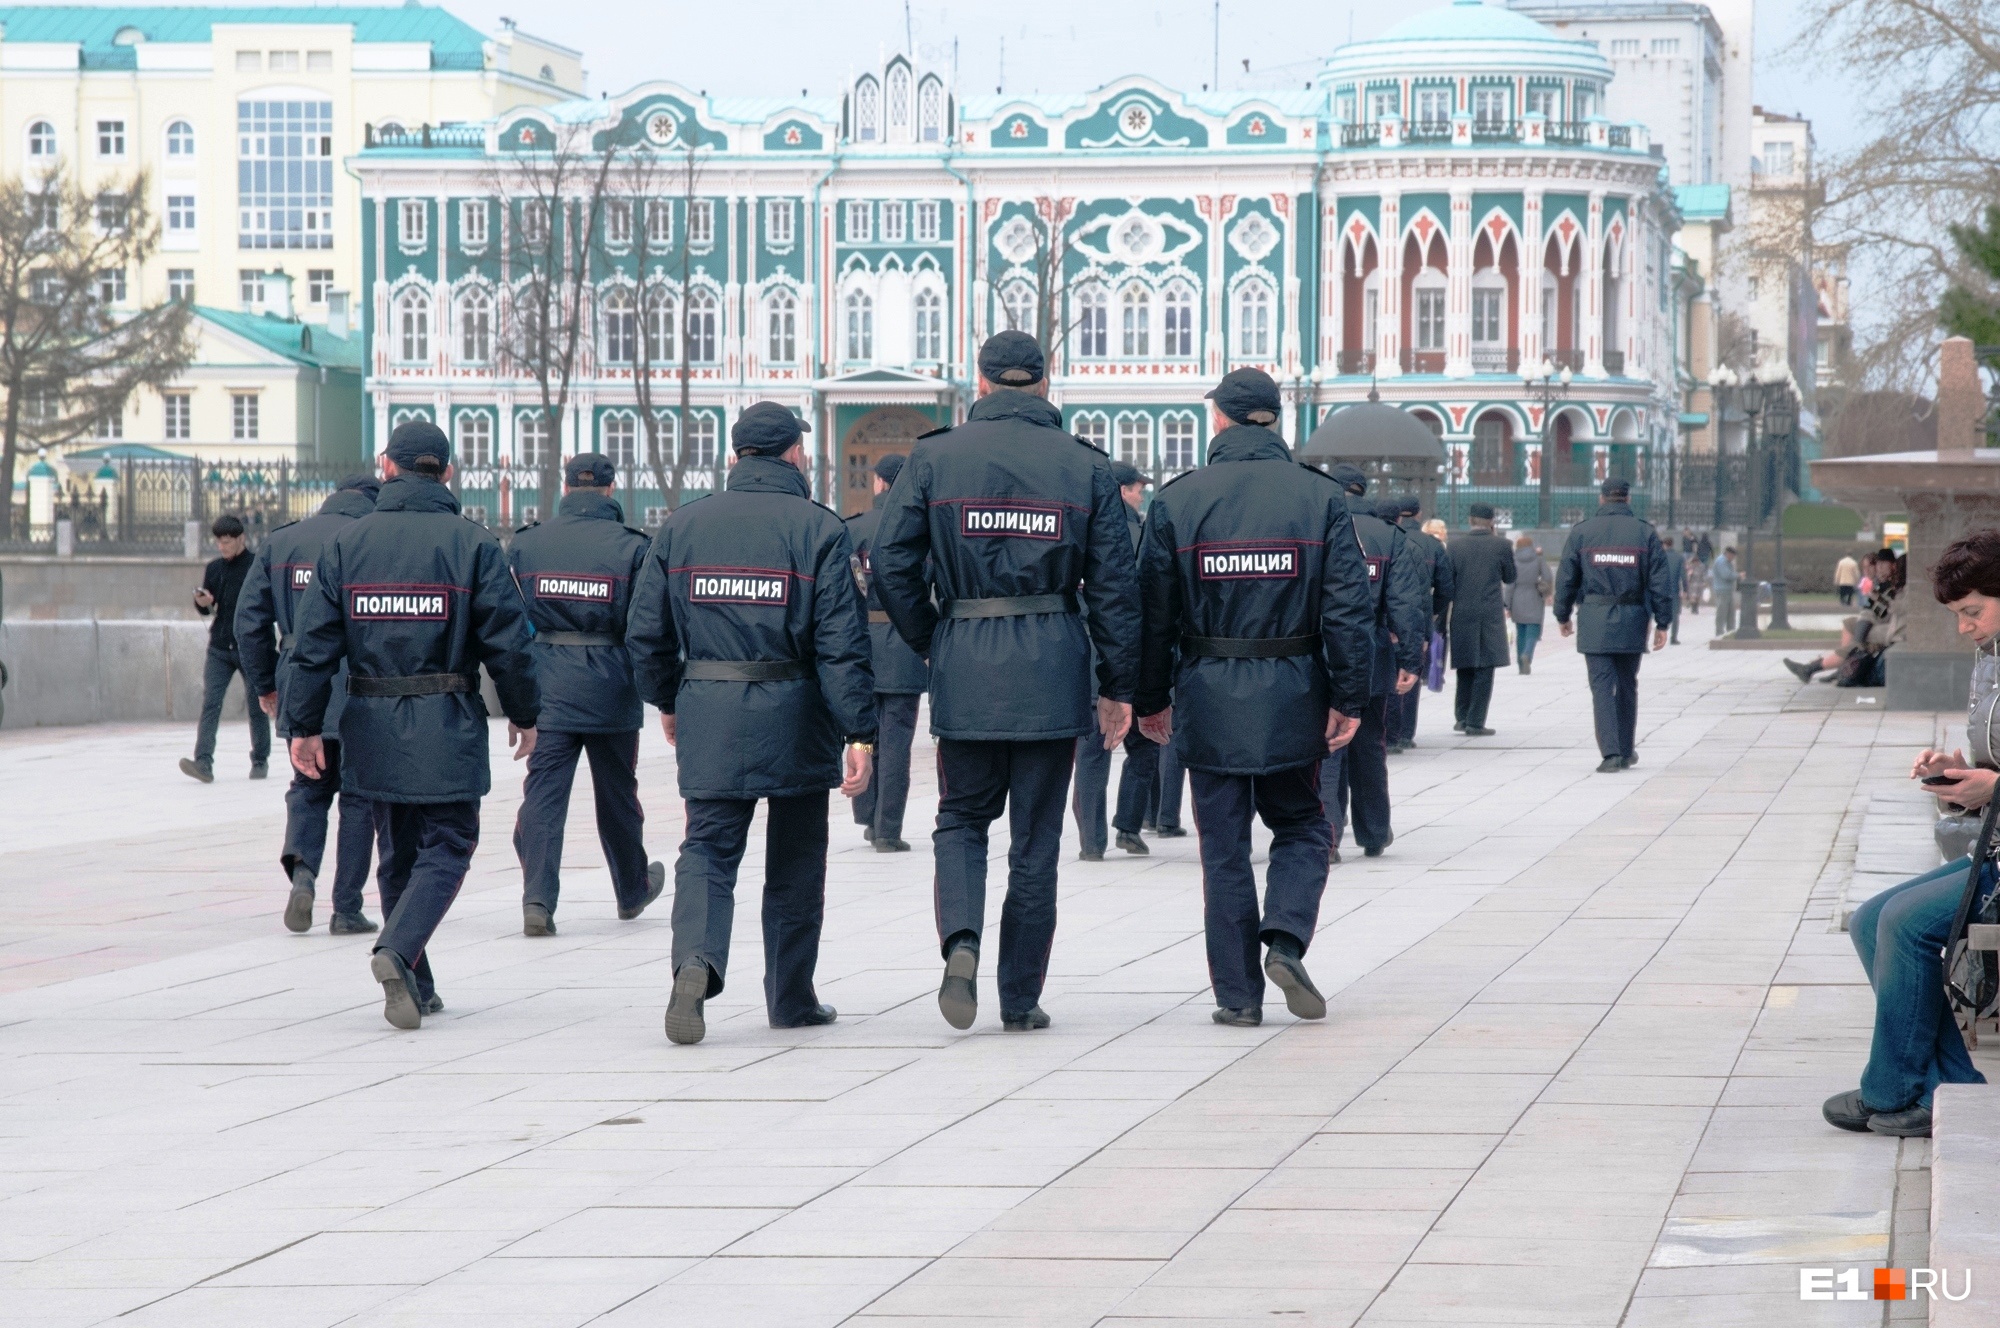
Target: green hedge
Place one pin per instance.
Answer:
(1809, 563)
(1822, 521)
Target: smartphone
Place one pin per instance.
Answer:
(1939, 779)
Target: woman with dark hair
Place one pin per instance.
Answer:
(1901, 932)
(1864, 637)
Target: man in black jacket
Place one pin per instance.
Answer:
(747, 634)
(1092, 774)
(1006, 516)
(1402, 513)
(1614, 577)
(266, 618)
(902, 676)
(1481, 562)
(414, 597)
(576, 574)
(221, 586)
(1260, 625)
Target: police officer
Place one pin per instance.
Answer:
(745, 625)
(414, 597)
(266, 611)
(1429, 550)
(576, 574)
(1093, 759)
(1358, 775)
(1614, 577)
(1006, 516)
(1260, 622)
(902, 676)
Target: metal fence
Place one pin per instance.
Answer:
(144, 505)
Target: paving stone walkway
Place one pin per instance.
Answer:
(1580, 1027)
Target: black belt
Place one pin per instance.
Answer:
(577, 639)
(877, 616)
(1613, 599)
(1011, 606)
(1249, 647)
(417, 684)
(745, 670)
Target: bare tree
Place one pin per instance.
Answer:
(71, 351)
(1044, 268)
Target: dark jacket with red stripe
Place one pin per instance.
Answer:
(1004, 505)
(576, 574)
(267, 608)
(1402, 591)
(760, 572)
(1253, 545)
(899, 670)
(412, 589)
(1614, 577)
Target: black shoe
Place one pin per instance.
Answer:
(1846, 1111)
(1333, 855)
(435, 1005)
(888, 845)
(1248, 1017)
(260, 770)
(1170, 832)
(1395, 749)
(958, 995)
(1088, 856)
(535, 921)
(1909, 1123)
(684, 1022)
(202, 770)
(868, 834)
(350, 924)
(1527, 667)
(1289, 972)
(1803, 672)
(1132, 844)
(1148, 828)
(1631, 760)
(1610, 765)
(401, 1005)
(299, 907)
(1481, 732)
(656, 881)
(818, 1015)
(1372, 850)
(1458, 728)
(1027, 1021)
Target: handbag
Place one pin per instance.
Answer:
(1435, 681)
(1971, 977)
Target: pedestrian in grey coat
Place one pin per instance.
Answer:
(1528, 601)
(1481, 563)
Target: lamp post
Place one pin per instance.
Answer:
(1547, 386)
(1721, 381)
(1780, 433)
(1758, 392)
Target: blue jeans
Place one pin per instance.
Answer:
(1526, 636)
(1899, 934)
(216, 671)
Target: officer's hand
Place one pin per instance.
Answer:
(1568, 629)
(268, 703)
(1114, 720)
(1340, 730)
(309, 756)
(858, 762)
(1405, 680)
(1659, 638)
(1159, 728)
(525, 738)
(667, 727)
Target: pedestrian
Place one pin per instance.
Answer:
(1429, 550)
(221, 588)
(1481, 563)
(1612, 578)
(1722, 575)
(1139, 776)
(1675, 584)
(901, 678)
(1704, 551)
(414, 597)
(1357, 776)
(1846, 577)
(576, 572)
(745, 625)
(1092, 777)
(1261, 623)
(266, 621)
(1694, 582)
(1527, 601)
(1010, 522)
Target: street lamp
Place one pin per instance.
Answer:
(1721, 382)
(1780, 433)
(1547, 386)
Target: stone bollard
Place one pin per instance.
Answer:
(191, 539)
(65, 538)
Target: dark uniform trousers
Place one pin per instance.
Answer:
(1137, 783)
(976, 782)
(1357, 778)
(1402, 712)
(1093, 783)
(307, 803)
(1167, 789)
(430, 848)
(1289, 803)
(1614, 702)
(1474, 694)
(621, 822)
(881, 804)
(718, 830)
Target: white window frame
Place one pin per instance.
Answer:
(618, 438)
(781, 326)
(778, 217)
(244, 426)
(1017, 306)
(177, 416)
(929, 325)
(474, 316)
(1434, 106)
(1177, 304)
(930, 110)
(1255, 334)
(412, 223)
(701, 223)
(704, 326)
(1133, 435)
(180, 140)
(620, 326)
(618, 223)
(180, 214)
(857, 311)
(659, 224)
(860, 221)
(1625, 48)
(1135, 321)
(927, 227)
(893, 217)
(1094, 427)
(1489, 107)
(1180, 440)
(867, 110)
(1489, 297)
(659, 320)
(413, 325)
(1093, 322)
(702, 438)
(42, 141)
(472, 439)
(111, 286)
(473, 221)
(319, 284)
(180, 284)
(1428, 294)
(535, 221)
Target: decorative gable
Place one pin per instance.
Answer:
(1136, 118)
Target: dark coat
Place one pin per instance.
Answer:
(576, 574)
(412, 588)
(1614, 576)
(759, 572)
(267, 607)
(1481, 562)
(1008, 504)
(899, 670)
(1430, 549)
(1254, 545)
(224, 578)
(1402, 594)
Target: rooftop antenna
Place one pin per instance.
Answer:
(1003, 66)
(1215, 74)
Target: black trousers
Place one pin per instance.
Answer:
(1357, 778)
(976, 782)
(718, 830)
(1093, 783)
(307, 805)
(1167, 784)
(430, 848)
(1614, 701)
(880, 805)
(621, 822)
(1288, 802)
(1402, 710)
(1474, 694)
(1136, 783)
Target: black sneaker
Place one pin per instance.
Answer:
(1631, 760)
(1171, 832)
(1289, 972)
(1372, 850)
(299, 907)
(868, 834)
(1333, 856)
(1846, 1111)
(813, 1018)
(260, 770)
(350, 924)
(401, 1005)
(1248, 1017)
(1803, 672)
(535, 921)
(201, 770)
(1480, 732)
(1027, 1021)
(1088, 856)
(885, 844)
(1610, 765)
(1909, 1123)
(685, 1024)
(435, 1005)
(656, 881)
(1132, 844)
(958, 994)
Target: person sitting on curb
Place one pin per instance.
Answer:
(1864, 637)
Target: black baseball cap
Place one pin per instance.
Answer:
(1615, 487)
(1124, 473)
(589, 470)
(418, 438)
(1349, 477)
(889, 467)
(1248, 396)
(1480, 511)
(1390, 510)
(365, 482)
(1012, 359)
(767, 429)
(1409, 505)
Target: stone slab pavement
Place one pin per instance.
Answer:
(1580, 1028)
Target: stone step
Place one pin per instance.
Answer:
(1965, 1202)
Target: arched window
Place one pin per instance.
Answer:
(41, 139)
(1093, 428)
(1177, 441)
(1018, 302)
(701, 434)
(1550, 298)
(860, 325)
(1179, 302)
(666, 435)
(781, 313)
(1135, 440)
(621, 326)
(1427, 294)
(930, 111)
(898, 99)
(475, 326)
(180, 139)
(1253, 321)
(867, 111)
(662, 347)
(531, 438)
(474, 442)
(618, 439)
(930, 326)
(1489, 321)
(704, 312)
(1135, 325)
(1492, 456)
(413, 326)
(1093, 322)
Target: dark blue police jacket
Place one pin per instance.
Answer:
(1253, 545)
(1004, 505)
(576, 574)
(899, 670)
(1430, 550)
(758, 573)
(1614, 575)
(412, 589)
(1402, 586)
(267, 607)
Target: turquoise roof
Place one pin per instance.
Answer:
(302, 343)
(1464, 20)
(454, 43)
(1702, 202)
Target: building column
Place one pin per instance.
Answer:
(1593, 288)
(1533, 242)
(1389, 311)
(732, 294)
(1458, 288)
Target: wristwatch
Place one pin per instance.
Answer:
(868, 747)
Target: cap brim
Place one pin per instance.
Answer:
(804, 425)
(1210, 394)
